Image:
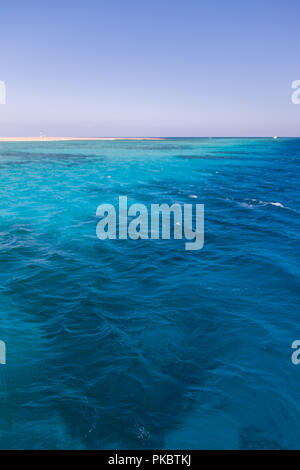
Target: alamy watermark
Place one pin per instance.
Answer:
(296, 94)
(2, 353)
(2, 92)
(186, 222)
(296, 354)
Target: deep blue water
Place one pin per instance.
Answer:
(142, 344)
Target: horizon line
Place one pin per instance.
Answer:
(65, 139)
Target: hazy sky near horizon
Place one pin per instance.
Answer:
(150, 68)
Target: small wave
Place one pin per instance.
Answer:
(256, 203)
(278, 204)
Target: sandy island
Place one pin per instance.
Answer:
(53, 139)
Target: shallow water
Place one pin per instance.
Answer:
(141, 344)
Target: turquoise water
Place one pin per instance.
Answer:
(142, 344)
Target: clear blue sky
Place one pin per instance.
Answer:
(150, 68)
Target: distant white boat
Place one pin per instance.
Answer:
(275, 137)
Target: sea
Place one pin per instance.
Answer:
(142, 344)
